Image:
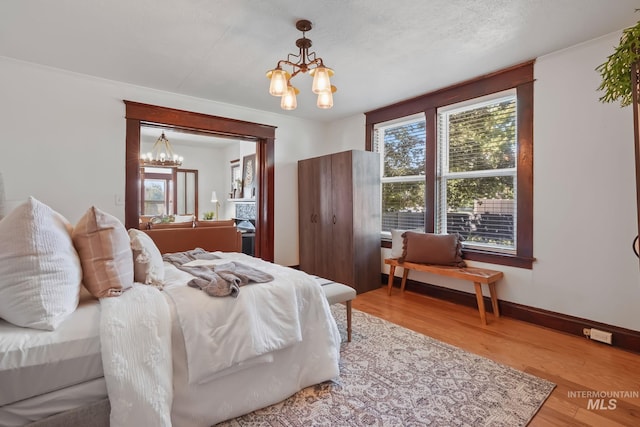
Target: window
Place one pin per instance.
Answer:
(403, 146)
(156, 190)
(476, 178)
(460, 160)
(168, 191)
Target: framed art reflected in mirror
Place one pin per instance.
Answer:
(236, 180)
(249, 176)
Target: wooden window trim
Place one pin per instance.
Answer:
(519, 77)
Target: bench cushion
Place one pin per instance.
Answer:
(429, 248)
(336, 292)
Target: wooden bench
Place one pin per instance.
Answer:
(478, 276)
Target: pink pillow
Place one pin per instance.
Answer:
(105, 253)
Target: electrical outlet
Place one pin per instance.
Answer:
(586, 332)
(602, 336)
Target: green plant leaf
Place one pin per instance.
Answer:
(616, 70)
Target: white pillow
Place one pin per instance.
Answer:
(40, 269)
(396, 243)
(148, 267)
(183, 218)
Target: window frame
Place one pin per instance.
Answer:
(519, 77)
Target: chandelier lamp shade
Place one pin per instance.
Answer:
(303, 62)
(161, 154)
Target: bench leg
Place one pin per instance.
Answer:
(392, 271)
(405, 274)
(494, 299)
(349, 321)
(483, 314)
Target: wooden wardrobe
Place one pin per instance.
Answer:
(339, 224)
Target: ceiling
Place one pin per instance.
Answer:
(178, 137)
(382, 51)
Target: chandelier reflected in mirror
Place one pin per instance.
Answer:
(161, 154)
(304, 61)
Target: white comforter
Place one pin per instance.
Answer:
(225, 341)
(222, 332)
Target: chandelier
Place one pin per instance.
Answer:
(161, 154)
(306, 61)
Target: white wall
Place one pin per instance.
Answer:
(63, 141)
(584, 196)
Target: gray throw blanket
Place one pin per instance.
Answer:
(218, 281)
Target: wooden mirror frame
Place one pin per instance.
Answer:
(138, 114)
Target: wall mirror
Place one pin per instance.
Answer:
(207, 144)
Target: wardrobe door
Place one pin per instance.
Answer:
(314, 183)
(342, 219)
(324, 239)
(308, 202)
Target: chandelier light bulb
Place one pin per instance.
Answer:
(321, 80)
(289, 101)
(278, 86)
(325, 99)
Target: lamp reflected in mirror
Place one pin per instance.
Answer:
(214, 200)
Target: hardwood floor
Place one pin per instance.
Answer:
(576, 365)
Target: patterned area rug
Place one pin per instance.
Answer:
(391, 376)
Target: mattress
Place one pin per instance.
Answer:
(35, 362)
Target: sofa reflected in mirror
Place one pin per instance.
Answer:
(222, 236)
(148, 222)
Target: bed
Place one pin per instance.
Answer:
(110, 363)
